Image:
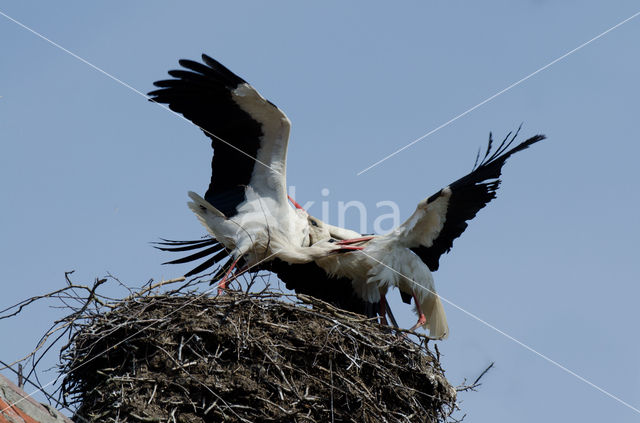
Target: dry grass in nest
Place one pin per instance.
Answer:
(248, 358)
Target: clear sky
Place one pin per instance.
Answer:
(90, 172)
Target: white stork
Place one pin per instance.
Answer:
(249, 219)
(405, 257)
(245, 208)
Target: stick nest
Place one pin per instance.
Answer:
(245, 357)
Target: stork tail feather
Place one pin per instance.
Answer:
(436, 317)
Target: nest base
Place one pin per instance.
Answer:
(247, 358)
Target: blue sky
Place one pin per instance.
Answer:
(91, 172)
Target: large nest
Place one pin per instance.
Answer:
(250, 358)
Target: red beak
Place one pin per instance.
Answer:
(355, 240)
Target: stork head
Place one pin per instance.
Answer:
(318, 231)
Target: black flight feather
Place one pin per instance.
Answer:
(208, 263)
(202, 93)
(177, 246)
(198, 255)
(469, 195)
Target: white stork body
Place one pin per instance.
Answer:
(387, 261)
(246, 207)
(384, 263)
(261, 229)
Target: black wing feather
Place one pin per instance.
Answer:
(202, 94)
(469, 195)
(177, 246)
(214, 260)
(198, 255)
(310, 279)
(206, 247)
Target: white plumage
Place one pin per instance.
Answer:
(256, 233)
(384, 263)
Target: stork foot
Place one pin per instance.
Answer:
(421, 321)
(421, 318)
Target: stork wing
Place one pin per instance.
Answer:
(249, 134)
(207, 247)
(441, 218)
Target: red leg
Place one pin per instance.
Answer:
(223, 283)
(237, 273)
(421, 319)
(383, 310)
